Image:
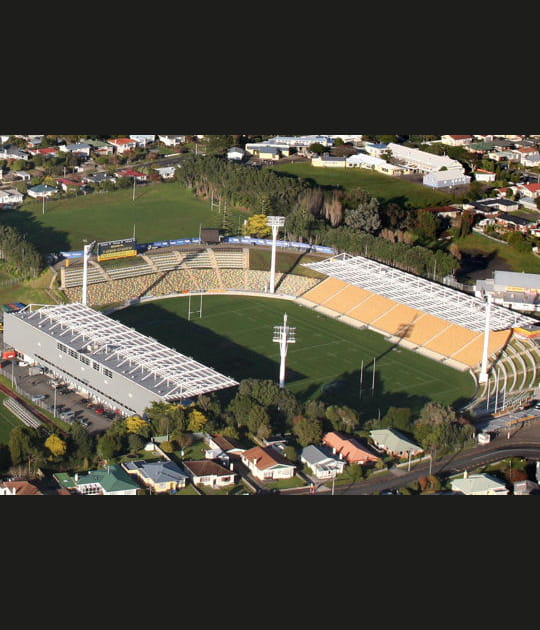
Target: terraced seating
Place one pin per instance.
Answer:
(450, 340)
(233, 279)
(295, 285)
(229, 258)
(398, 320)
(471, 353)
(197, 259)
(166, 261)
(325, 290)
(371, 309)
(347, 299)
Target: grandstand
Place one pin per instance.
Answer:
(432, 319)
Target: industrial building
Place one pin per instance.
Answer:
(106, 360)
(514, 290)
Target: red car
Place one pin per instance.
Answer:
(99, 410)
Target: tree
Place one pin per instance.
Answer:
(317, 147)
(256, 417)
(22, 444)
(135, 424)
(82, 443)
(355, 472)
(184, 440)
(365, 217)
(256, 226)
(427, 224)
(56, 445)
(466, 223)
(519, 242)
(197, 420)
(397, 418)
(307, 430)
(110, 444)
(135, 443)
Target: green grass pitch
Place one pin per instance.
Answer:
(234, 336)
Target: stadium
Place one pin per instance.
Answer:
(439, 331)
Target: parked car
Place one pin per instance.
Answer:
(99, 410)
(67, 415)
(37, 397)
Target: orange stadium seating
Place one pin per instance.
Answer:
(326, 289)
(347, 299)
(451, 340)
(371, 309)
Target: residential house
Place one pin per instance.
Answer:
(481, 484)
(123, 144)
(323, 464)
(456, 140)
(101, 148)
(350, 448)
(374, 149)
(13, 153)
(495, 205)
(526, 487)
(23, 175)
(222, 448)
(166, 172)
(394, 443)
(267, 463)
(236, 154)
(529, 156)
(142, 139)
(500, 156)
(481, 175)
(65, 183)
(363, 160)
(479, 147)
(41, 191)
(515, 222)
(80, 148)
(112, 480)
(129, 172)
(529, 190)
(19, 488)
(10, 196)
(444, 211)
(97, 178)
(265, 151)
(446, 179)
(162, 476)
(209, 473)
(172, 141)
(45, 152)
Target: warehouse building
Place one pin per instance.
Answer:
(110, 362)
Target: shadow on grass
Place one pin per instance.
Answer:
(204, 345)
(46, 239)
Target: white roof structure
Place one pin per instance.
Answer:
(419, 293)
(393, 441)
(369, 161)
(479, 484)
(124, 350)
(422, 159)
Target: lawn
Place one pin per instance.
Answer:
(7, 421)
(496, 256)
(160, 211)
(385, 188)
(234, 336)
(286, 262)
(195, 451)
(236, 489)
(283, 484)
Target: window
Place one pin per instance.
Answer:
(61, 347)
(96, 366)
(73, 354)
(107, 372)
(84, 359)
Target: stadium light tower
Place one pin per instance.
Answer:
(86, 253)
(483, 371)
(284, 335)
(275, 223)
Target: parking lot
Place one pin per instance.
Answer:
(65, 398)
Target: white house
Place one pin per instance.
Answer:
(110, 481)
(172, 141)
(376, 150)
(528, 156)
(481, 175)
(446, 179)
(481, 484)
(456, 140)
(209, 473)
(42, 191)
(236, 154)
(529, 190)
(10, 196)
(80, 147)
(363, 160)
(329, 161)
(26, 177)
(123, 144)
(323, 464)
(166, 172)
(422, 160)
(267, 464)
(142, 139)
(393, 442)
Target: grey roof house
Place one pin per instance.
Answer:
(321, 461)
(162, 476)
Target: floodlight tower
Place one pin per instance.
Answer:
(86, 253)
(284, 335)
(275, 223)
(483, 377)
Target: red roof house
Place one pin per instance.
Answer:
(349, 448)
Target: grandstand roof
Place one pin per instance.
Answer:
(164, 371)
(418, 293)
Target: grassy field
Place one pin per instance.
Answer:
(28, 291)
(7, 421)
(160, 211)
(235, 337)
(497, 255)
(286, 262)
(385, 188)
